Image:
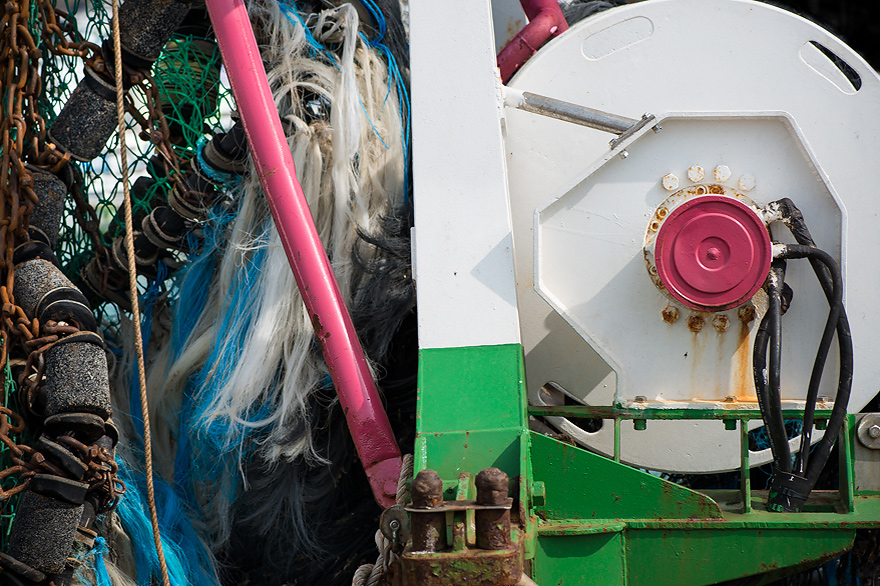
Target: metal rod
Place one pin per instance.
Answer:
(568, 112)
(745, 479)
(606, 412)
(367, 420)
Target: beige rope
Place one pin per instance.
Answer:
(132, 283)
(374, 574)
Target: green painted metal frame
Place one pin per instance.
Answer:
(588, 519)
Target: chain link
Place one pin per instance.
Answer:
(24, 137)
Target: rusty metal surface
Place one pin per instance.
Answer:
(472, 567)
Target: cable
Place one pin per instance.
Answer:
(835, 322)
(790, 490)
(767, 385)
(132, 275)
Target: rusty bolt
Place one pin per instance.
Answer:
(746, 183)
(670, 182)
(696, 173)
(670, 314)
(722, 173)
(426, 490)
(721, 323)
(428, 529)
(746, 314)
(695, 323)
(661, 212)
(492, 525)
(641, 399)
(730, 399)
(874, 431)
(491, 486)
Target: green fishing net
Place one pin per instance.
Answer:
(196, 102)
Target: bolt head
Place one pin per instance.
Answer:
(696, 173)
(670, 182)
(641, 399)
(624, 154)
(874, 431)
(746, 183)
(722, 173)
(670, 314)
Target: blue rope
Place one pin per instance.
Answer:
(102, 578)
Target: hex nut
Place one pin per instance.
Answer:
(696, 173)
(670, 182)
(722, 173)
(746, 183)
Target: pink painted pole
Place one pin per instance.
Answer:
(545, 20)
(345, 359)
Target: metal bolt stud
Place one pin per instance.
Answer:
(722, 173)
(696, 173)
(670, 182)
(874, 431)
(746, 183)
(428, 529)
(492, 525)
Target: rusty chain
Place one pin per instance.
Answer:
(24, 138)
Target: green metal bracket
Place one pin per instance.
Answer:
(588, 519)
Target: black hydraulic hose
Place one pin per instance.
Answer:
(836, 304)
(838, 413)
(768, 386)
(794, 220)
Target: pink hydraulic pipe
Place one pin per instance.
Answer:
(545, 20)
(348, 368)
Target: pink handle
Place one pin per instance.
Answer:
(545, 20)
(348, 368)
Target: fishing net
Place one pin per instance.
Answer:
(190, 99)
(195, 101)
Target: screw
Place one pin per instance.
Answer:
(428, 529)
(492, 525)
(670, 182)
(746, 183)
(730, 399)
(670, 314)
(695, 323)
(696, 173)
(624, 154)
(874, 431)
(746, 314)
(721, 323)
(641, 399)
(722, 173)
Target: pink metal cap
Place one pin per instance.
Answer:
(713, 253)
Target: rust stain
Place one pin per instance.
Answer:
(742, 364)
(695, 323)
